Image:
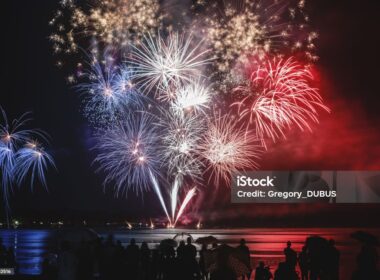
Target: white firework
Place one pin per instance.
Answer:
(228, 147)
(162, 64)
(194, 96)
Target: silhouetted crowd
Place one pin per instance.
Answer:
(109, 260)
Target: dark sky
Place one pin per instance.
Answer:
(348, 67)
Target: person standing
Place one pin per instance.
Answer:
(246, 257)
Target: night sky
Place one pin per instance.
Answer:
(348, 138)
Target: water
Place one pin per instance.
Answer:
(265, 244)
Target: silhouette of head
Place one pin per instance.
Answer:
(132, 242)
(144, 245)
(181, 243)
(188, 240)
(289, 244)
(242, 241)
(261, 264)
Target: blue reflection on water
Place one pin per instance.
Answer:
(30, 247)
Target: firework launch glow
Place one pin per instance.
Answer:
(175, 107)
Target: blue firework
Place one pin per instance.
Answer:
(127, 154)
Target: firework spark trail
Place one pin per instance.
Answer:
(185, 202)
(163, 64)
(157, 190)
(32, 160)
(279, 94)
(6, 167)
(229, 147)
(174, 193)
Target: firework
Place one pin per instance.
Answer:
(33, 160)
(20, 155)
(120, 22)
(181, 134)
(157, 190)
(229, 147)
(163, 65)
(279, 95)
(13, 134)
(190, 194)
(6, 168)
(174, 194)
(150, 99)
(108, 90)
(194, 96)
(243, 27)
(127, 153)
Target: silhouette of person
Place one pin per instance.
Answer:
(132, 253)
(246, 257)
(202, 262)
(304, 263)
(145, 261)
(332, 261)
(191, 265)
(284, 272)
(181, 250)
(223, 270)
(290, 256)
(262, 272)
(367, 264)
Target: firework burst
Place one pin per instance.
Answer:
(279, 95)
(127, 153)
(120, 22)
(108, 90)
(33, 160)
(20, 155)
(181, 135)
(194, 96)
(229, 147)
(242, 27)
(164, 65)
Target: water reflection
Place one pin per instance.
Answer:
(31, 246)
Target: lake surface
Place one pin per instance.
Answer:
(31, 245)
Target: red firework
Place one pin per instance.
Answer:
(278, 95)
